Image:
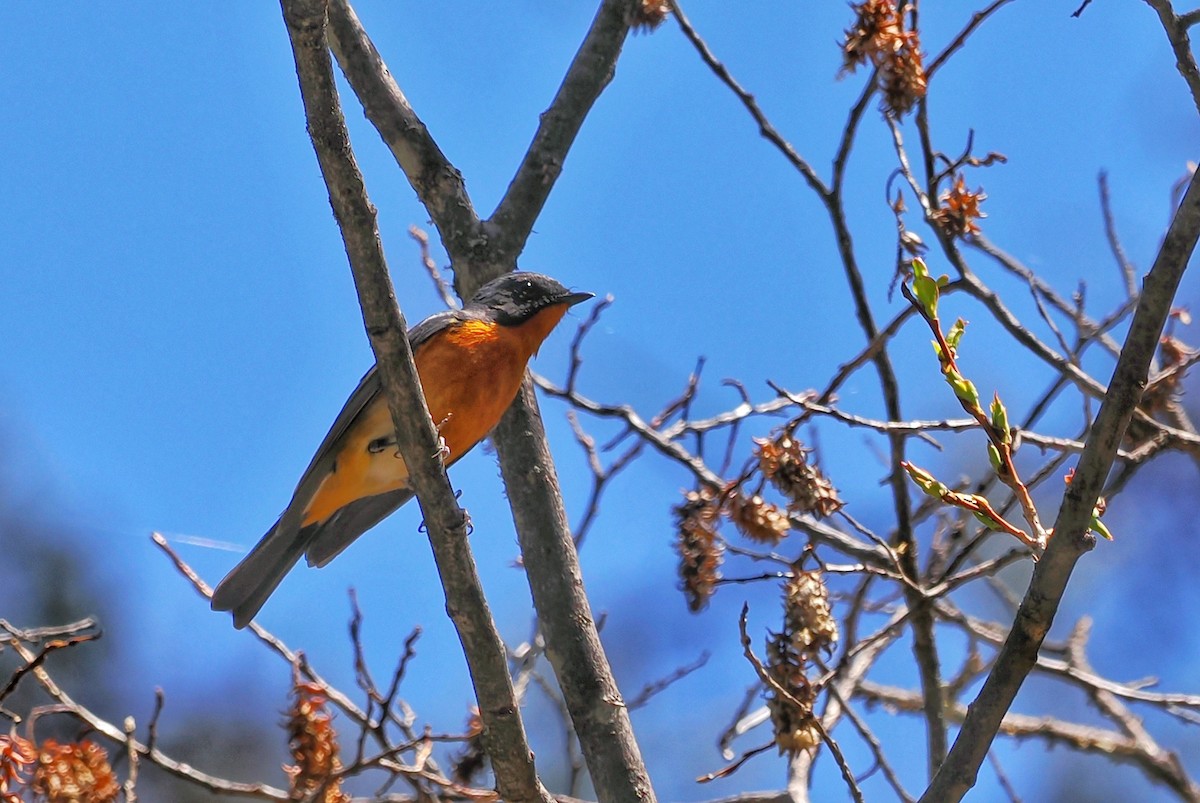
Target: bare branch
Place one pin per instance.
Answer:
(1159, 765)
(479, 253)
(41, 655)
(662, 684)
(769, 680)
(590, 72)
(977, 19)
(552, 567)
(154, 755)
(1128, 272)
(416, 436)
(765, 127)
(437, 182)
(445, 292)
(1177, 34)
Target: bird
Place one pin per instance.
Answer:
(471, 362)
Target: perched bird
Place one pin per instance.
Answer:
(471, 362)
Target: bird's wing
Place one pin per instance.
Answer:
(247, 586)
(366, 392)
(330, 537)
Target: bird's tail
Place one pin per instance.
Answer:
(246, 588)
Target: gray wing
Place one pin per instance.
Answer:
(246, 588)
(366, 392)
(322, 462)
(338, 531)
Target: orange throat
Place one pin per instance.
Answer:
(471, 372)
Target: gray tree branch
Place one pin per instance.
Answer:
(480, 252)
(1176, 28)
(590, 72)
(416, 438)
(437, 182)
(1158, 764)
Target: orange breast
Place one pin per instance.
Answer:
(470, 376)
(470, 372)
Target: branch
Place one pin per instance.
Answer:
(152, 754)
(1185, 706)
(590, 72)
(774, 685)
(416, 437)
(272, 642)
(1128, 272)
(1071, 540)
(573, 647)
(1089, 330)
(924, 644)
(1158, 764)
(1180, 438)
(479, 253)
(664, 440)
(437, 182)
(919, 428)
(957, 43)
(848, 675)
(638, 425)
(765, 128)
(1181, 44)
(34, 663)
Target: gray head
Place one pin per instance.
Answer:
(514, 298)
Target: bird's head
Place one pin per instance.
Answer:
(515, 298)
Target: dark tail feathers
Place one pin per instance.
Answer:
(246, 588)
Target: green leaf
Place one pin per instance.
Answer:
(925, 481)
(926, 291)
(1000, 419)
(964, 389)
(955, 334)
(995, 459)
(925, 288)
(1098, 527)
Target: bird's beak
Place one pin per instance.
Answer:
(577, 298)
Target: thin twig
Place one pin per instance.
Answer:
(1128, 272)
(662, 684)
(155, 756)
(765, 128)
(444, 291)
(956, 44)
(769, 680)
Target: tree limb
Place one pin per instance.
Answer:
(481, 252)
(438, 183)
(590, 72)
(416, 437)
(1177, 33)
(1071, 538)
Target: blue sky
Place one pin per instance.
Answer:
(179, 326)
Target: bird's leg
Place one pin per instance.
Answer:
(386, 442)
(443, 449)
